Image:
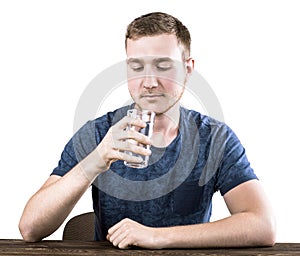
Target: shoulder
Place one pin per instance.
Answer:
(210, 130)
(203, 122)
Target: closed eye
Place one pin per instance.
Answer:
(164, 65)
(136, 66)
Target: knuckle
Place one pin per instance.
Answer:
(130, 133)
(130, 144)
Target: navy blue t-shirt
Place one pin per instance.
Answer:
(177, 186)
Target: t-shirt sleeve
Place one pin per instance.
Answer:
(234, 168)
(79, 146)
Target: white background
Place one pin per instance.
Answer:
(248, 51)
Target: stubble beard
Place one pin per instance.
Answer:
(169, 104)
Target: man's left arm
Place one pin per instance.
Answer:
(251, 223)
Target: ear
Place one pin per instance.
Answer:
(189, 65)
(189, 68)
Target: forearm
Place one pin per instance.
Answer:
(242, 229)
(49, 207)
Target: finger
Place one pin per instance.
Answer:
(113, 233)
(127, 146)
(121, 139)
(125, 140)
(126, 243)
(112, 229)
(118, 155)
(118, 236)
(137, 136)
(127, 120)
(123, 135)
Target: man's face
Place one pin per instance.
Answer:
(156, 72)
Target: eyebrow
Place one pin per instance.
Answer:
(163, 59)
(155, 60)
(130, 60)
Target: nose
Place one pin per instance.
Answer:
(150, 81)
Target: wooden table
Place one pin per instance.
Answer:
(53, 248)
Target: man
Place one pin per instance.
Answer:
(192, 156)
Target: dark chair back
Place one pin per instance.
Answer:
(80, 227)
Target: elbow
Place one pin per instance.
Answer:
(270, 237)
(268, 233)
(27, 232)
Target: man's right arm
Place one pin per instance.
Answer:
(51, 204)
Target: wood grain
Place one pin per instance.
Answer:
(47, 247)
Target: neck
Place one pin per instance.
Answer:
(166, 127)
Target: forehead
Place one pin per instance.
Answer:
(164, 45)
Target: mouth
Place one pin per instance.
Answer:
(152, 96)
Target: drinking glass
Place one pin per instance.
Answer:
(148, 117)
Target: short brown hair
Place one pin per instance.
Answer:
(157, 23)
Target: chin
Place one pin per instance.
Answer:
(157, 107)
(153, 107)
